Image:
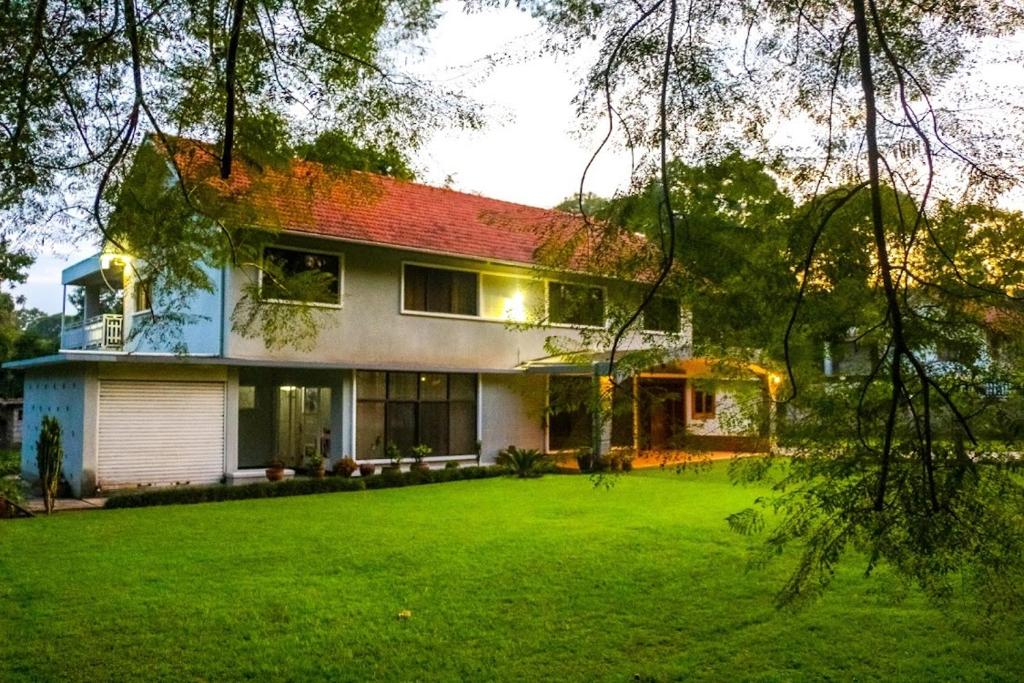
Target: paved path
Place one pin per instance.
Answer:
(65, 504)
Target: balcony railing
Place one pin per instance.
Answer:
(99, 332)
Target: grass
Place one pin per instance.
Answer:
(506, 579)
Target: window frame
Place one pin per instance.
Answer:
(679, 320)
(416, 412)
(438, 314)
(547, 415)
(703, 414)
(145, 284)
(304, 250)
(547, 305)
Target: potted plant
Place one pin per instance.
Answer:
(345, 467)
(316, 465)
(394, 454)
(275, 471)
(418, 454)
(367, 469)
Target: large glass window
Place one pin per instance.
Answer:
(514, 299)
(438, 290)
(412, 408)
(569, 418)
(308, 276)
(662, 315)
(575, 304)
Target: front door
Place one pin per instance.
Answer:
(303, 423)
(662, 413)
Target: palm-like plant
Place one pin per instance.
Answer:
(523, 462)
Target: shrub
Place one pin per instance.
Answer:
(10, 462)
(523, 462)
(10, 493)
(451, 465)
(585, 459)
(345, 467)
(211, 494)
(294, 487)
(49, 459)
(420, 452)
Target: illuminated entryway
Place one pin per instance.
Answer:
(303, 423)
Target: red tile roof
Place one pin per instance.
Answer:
(363, 207)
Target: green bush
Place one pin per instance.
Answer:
(451, 465)
(10, 462)
(211, 494)
(294, 487)
(523, 462)
(49, 459)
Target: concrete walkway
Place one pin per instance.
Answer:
(65, 504)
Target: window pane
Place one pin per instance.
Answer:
(569, 424)
(464, 293)
(319, 274)
(433, 387)
(415, 288)
(434, 426)
(462, 428)
(402, 386)
(371, 385)
(575, 304)
(462, 387)
(662, 315)
(622, 414)
(402, 425)
(510, 298)
(439, 291)
(370, 430)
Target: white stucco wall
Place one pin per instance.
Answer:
(371, 331)
(737, 406)
(511, 413)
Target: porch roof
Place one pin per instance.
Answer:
(597, 362)
(83, 356)
(98, 269)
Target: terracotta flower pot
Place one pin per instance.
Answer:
(367, 470)
(420, 466)
(275, 472)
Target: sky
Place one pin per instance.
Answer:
(530, 152)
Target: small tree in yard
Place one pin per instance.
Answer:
(49, 459)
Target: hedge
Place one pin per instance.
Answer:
(294, 487)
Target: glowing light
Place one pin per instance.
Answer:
(107, 260)
(515, 307)
(776, 379)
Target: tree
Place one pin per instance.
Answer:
(896, 159)
(86, 88)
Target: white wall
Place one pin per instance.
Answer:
(737, 408)
(511, 413)
(370, 330)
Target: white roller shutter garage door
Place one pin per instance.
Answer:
(160, 433)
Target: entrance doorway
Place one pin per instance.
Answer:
(662, 408)
(303, 423)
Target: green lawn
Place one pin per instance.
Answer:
(547, 579)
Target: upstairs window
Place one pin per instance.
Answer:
(575, 304)
(143, 296)
(297, 275)
(439, 290)
(662, 314)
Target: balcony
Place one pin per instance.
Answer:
(101, 332)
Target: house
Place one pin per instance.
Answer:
(421, 341)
